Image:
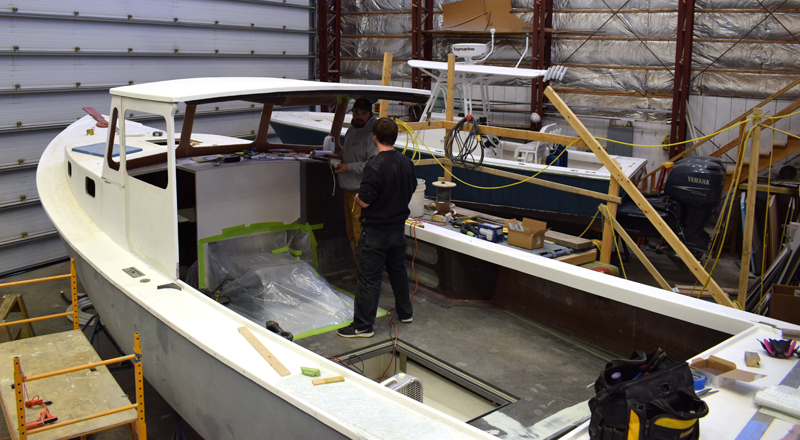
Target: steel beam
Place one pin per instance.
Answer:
(683, 70)
(421, 43)
(329, 37)
(542, 19)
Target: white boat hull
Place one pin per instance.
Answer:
(216, 400)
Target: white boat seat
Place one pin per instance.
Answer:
(536, 151)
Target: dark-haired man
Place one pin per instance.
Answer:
(357, 149)
(388, 184)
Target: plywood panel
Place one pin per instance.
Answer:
(77, 394)
(245, 193)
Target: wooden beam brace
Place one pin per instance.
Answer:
(635, 248)
(750, 208)
(525, 135)
(386, 80)
(607, 244)
(639, 199)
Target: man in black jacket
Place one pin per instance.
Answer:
(388, 184)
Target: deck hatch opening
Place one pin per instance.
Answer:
(447, 388)
(133, 272)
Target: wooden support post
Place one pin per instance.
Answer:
(451, 87)
(639, 199)
(338, 121)
(386, 80)
(139, 427)
(74, 290)
(635, 248)
(750, 207)
(449, 104)
(608, 237)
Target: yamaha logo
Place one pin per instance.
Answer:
(699, 181)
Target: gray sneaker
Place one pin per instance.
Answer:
(351, 332)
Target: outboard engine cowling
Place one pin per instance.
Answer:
(691, 193)
(697, 184)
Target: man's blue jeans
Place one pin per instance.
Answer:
(378, 248)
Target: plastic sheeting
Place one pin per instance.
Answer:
(289, 292)
(269, 277)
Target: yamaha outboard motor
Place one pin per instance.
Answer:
(691, 193)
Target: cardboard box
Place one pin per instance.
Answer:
(720, 372)
(785, 303)
(482, 15)
(528, 234)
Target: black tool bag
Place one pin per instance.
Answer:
(651, 398)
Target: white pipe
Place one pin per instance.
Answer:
(491, 50)
(523, 53)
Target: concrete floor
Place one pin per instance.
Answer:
(546, 372)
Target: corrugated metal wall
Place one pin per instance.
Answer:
(60, 56)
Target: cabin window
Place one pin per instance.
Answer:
(146, 148)
(69, 168)
(90, 186)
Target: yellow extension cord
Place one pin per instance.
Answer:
(416, 154)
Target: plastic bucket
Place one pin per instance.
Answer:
(417, 203)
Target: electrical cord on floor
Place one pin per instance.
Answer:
(351, 367)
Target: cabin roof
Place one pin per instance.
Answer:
(262, 90)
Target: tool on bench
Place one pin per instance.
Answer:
(274, 327)
(44, 418)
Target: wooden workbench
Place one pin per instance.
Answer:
(74, 395)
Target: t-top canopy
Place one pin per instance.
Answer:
(262, 90)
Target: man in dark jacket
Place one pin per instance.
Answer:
(388, 184)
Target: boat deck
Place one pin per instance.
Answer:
(546, 372)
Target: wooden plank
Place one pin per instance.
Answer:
(750, 207)
(772, 189)
(451, 92)
(635, 248)
(608, 236)
(579, 258)
(566, 240)
(419, 126)
(386, 80)
(325, 380)
(639, 199)
(524, 135)
(264, 351)
(451, 87)
(74, 395)
(775, 235)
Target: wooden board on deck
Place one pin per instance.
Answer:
(579, 258)
(566, 240)
(74, 395)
